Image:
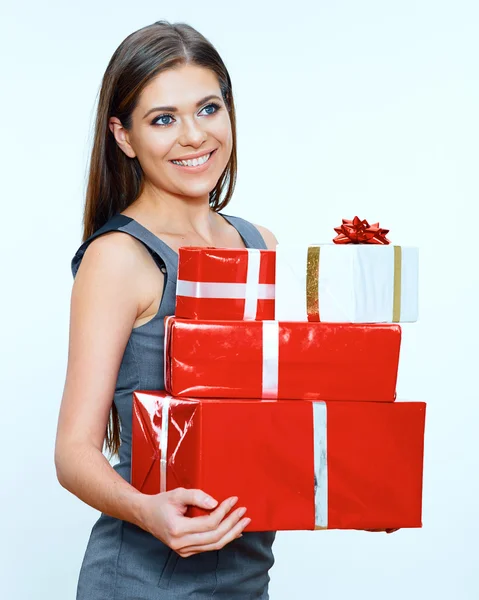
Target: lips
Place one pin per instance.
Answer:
(197, 156)
(198, 168)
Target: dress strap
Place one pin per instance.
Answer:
(164, 256)
(250, 234)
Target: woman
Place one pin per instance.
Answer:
(163, 165)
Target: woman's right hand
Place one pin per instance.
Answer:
(163, 515)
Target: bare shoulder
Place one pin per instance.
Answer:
(113, 252)
(269, 237)
(119, 268)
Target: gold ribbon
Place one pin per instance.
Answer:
(397, 284)
(312, 284)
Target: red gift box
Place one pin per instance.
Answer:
(225, 283)
(251, 359)
(293, 464)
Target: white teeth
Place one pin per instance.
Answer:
(193, 163)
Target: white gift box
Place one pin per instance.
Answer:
(352, 283)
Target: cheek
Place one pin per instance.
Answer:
(155, 145)
(222, 131)
(161, 145)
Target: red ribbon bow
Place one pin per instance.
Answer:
(360, 232)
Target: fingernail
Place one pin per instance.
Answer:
(246, 522)
(233, 501)
(210, 502)
(241, 512)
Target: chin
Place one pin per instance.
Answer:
(197, 191)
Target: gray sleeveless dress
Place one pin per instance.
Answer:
(122, 561)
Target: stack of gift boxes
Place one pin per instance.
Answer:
(280, 377)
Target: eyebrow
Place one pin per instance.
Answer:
(174, 109)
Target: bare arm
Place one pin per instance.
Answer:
(110, 290)
(103, 310)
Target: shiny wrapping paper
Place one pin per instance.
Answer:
(293, 464)
(252, 359)
(225, 283)
(353, 283)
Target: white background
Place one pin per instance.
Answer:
(344, 108)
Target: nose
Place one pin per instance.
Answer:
(192, 134)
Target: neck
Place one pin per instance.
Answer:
(176, 214)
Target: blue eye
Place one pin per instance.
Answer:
(212, 105)
(158, 121)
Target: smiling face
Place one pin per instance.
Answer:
(180, 115)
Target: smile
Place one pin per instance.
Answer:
(195, 162)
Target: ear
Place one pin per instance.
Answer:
(121, 136)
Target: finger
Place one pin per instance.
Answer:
(191, 525)
(194, 498)
(207, 538)
(229, 536)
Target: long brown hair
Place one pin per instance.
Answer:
(114, 179)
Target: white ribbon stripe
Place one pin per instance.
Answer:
(219, 290)
(252, 283)
(166, 340)
(320, 464)
(165, 417)
(270, 359)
